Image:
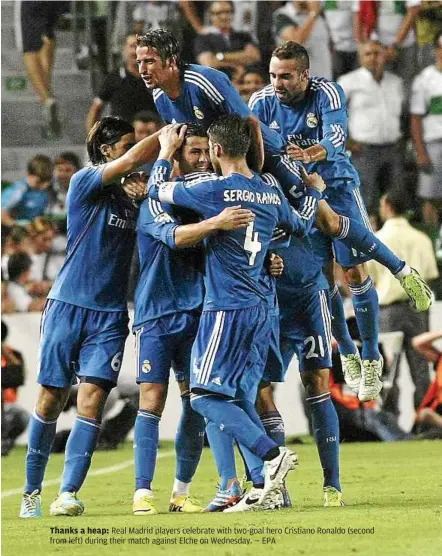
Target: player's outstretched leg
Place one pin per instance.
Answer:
(357, 236)
(236, 422)
(188, 445)
(81, 445)
(42, 428)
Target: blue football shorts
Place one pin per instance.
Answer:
(75, 341)
(163, 344)
(230, 351)
(305, 330)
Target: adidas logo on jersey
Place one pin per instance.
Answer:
(274, 125)
(217, 381)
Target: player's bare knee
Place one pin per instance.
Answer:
(153, 397)
(356, 274)
(91, 400)
(315, 382)
(50, 401)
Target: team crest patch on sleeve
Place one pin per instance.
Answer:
(198, 113)
(146, 367)
(312, 120)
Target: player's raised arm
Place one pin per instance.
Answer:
(299, 222)
(136, 155)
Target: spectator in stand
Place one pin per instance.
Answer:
(36, 38)
(66, 164)
(123, 90)
(14, 240)
(392, 23)
(429, 413)
(223, 47)
(428, 26)
(45, 263)
(302, 22)
(375, 100)
(340, 18)
(28, 198)
(396, 314)
(426, 132)
(156, 14)
(19, 270)
(14, 418)
(251, 81)
(146, 123)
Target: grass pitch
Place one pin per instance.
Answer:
(393, 496)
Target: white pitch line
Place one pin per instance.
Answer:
(94, 473)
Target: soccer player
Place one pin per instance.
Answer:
(310, 113)
(231, 343)
(193, 92)
(85, 323)
(305, 329)
(168, 303)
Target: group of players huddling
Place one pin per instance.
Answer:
(232, 281)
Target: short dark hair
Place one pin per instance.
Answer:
(397, 201)
(107, 131)
(69, 157)
(292, 50)
(164, 43)
(233, 133)
(193, 130)
(40, 165)
(147, 116)
(17, 264)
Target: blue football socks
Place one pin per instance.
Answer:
(145, 447)
(325, 426)
(222, 447)
(357, 236)
(189, 441)
(339, 324)
(41, 438)
(235, 421)
(79, 450)
(274, 426)
(366, 306)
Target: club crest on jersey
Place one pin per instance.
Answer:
(146, 367)
(198, 113)
(312, 120)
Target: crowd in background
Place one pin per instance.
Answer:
(386, 55)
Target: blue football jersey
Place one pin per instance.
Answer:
(170, 281)
(302, 263)
(234, 258)
(101, 223)
(320, 118)
(207, 94)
